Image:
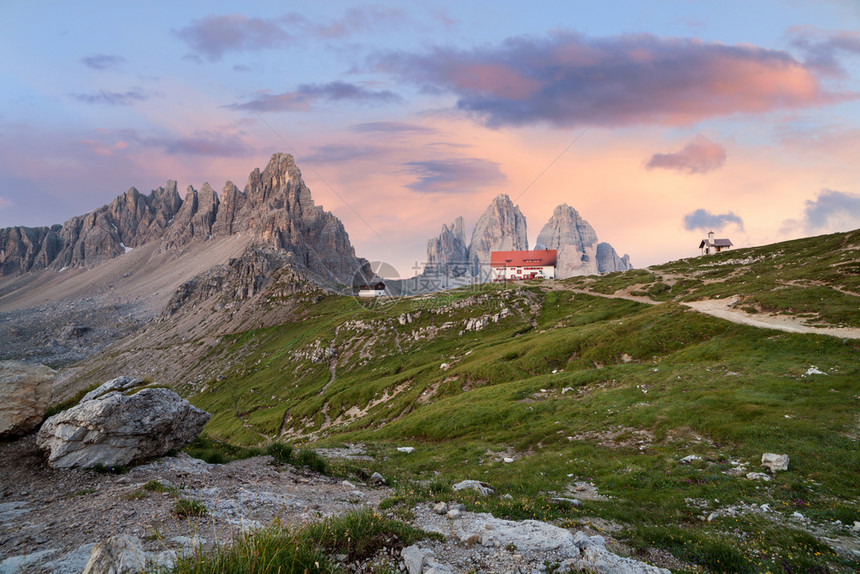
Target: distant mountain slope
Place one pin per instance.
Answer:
(103, 275)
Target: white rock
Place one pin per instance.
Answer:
(583, 540)
(508, 459)
(440, 508)
(453, 513)
(813, 370)
(689, 459)
(117, 384)
(115, 429)
(406, 449)
(413, 558)
(798, 516)
(598, 559)
(758, 476)
(117, 555)
(856, 527)
(774, 462)
(481, 488)
(23, 562)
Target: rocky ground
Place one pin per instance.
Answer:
(50, 520)
(63, 332)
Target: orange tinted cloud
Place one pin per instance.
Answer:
(568, 80)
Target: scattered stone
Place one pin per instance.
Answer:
(116, 430)
(689, 459)
(507, 459)
(774, 462)
(413, 559)
(856, 527)
(440, 508)
(758, 476)
(73, 332)
(25, 394)
(798, 516)
(444, 366)
(453, 513)
(481, 488)
(813, 370)
(376, 479)
(583, 540)
(406, 449)
(117, 555)
(562, 500)
(118, 384)
(23, 562)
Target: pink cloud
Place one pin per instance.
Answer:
(699, 156)
(567, 79)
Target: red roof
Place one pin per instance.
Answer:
(542, 258)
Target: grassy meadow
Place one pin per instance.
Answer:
(592, 397)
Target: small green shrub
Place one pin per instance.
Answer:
(185, 507)
(310, 459)
(118, 469)
(156, 486)
(282, 453)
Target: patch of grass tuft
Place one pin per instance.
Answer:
(185, 507)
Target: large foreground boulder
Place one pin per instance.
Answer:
(25, 393)
(117, 429)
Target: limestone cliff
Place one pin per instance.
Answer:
(574, 240)
(448, 252)
(276, 208)
(502, 227)
(608, 260)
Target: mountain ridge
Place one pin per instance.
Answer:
(503, 227)
(276, 206)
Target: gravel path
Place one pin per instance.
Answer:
(720, 308)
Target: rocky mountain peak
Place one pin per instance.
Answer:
(575, 242)
(276, 207)
(502, 227)
(566, 227)
(448, 248)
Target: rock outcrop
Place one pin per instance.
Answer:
(243, 277)
(122, 554)
(448, 252)
(502, 227)
(575, 240)
(115, 429)
(25, 394)
(608, 260)
(276, 207)
(195, 217)
(22, 248)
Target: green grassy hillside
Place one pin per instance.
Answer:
(580, 388)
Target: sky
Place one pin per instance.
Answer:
(658, 121)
